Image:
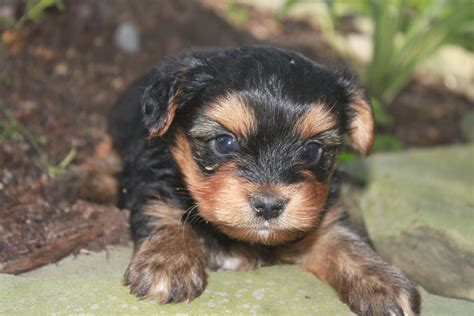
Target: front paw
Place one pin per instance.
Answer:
(385, 293)
(168, 278)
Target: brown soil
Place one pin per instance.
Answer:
(428, 114)
(68, 73)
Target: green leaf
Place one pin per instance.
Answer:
(7, 81)
(406, 32)
(386, 142)
(35, 8)
(13, 126)
(346, 156)
(237, 13)
(56, 170)
(382, 118)
(285, 7)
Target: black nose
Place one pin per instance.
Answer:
(268, 205)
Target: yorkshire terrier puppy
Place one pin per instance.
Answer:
(230, 163)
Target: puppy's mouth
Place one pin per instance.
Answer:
(258, 228)
(267, 227)
(269, 215)
(264, 229)
(266, 232)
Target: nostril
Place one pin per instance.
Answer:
(259, 209)
(277, 207)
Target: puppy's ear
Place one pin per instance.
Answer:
(360, 118)
(174, 84)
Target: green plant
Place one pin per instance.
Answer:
(236, 12)
(405, 35)
(383, 142)
(381, 117)
(6, 80)
(10, 127)
(346, 156)
(35, 9)
(386, 142)
(13, 34)
(406, 32)
(285, 7)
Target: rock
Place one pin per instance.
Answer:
(418, 208)
(127, 38)
(91, 284)
(467, 126)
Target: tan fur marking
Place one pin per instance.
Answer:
(337, 255)
(231, 112)
(170, 112)
(318, 119)
(169, 264)
(163, 214)
(362, 127)
(404, 302)
(223, 200)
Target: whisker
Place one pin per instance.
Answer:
(188, 212)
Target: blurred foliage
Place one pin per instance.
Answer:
(236, 12)
(383, 142)
(6, 80)
(13, 33)
(346, 156)
(404, 37)
(406, 32)
(285, 7)
(386, 142)
(34, 9)
(9, 127)
(6, 22)
(381, 117)
(14, 36)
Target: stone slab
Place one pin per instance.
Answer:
(91, 285)
(418, 208)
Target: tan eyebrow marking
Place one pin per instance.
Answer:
(318, 119)
(233, 114)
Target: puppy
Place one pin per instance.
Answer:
(229, 163)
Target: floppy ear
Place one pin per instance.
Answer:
(174, 84)
(361, 123)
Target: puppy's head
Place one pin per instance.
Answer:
(256, 133)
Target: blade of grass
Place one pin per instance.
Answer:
(35, 10)
(22, 130)
(14, 126)
(426, 45)
(56, 170)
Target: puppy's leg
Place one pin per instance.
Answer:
(168, 264)
(361, 278)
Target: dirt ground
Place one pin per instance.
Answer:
(68, 74)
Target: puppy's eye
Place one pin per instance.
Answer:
(313, 152)
(224, 144)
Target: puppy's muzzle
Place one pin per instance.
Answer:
(268, 204)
